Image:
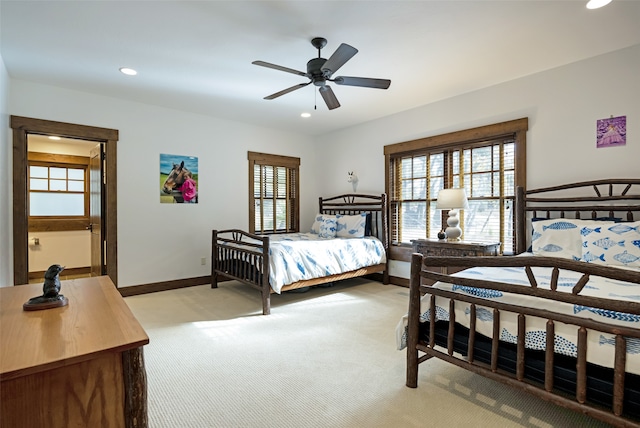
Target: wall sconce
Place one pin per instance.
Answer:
(452, 200)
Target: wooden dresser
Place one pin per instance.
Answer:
(437, 248)
(80, 365)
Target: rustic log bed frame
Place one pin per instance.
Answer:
(244, 256)
(425, 342)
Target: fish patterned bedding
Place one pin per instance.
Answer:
(600, 346)
(296, 257)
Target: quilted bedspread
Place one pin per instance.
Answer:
(600, 346)
(298, 256)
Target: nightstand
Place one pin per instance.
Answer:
(434, 247)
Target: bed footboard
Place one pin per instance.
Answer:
(423, 346)
(244, 257)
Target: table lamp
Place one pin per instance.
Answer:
(452, 200)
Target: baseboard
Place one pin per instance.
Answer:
(135, 290)
(395, 280)
(155, 287)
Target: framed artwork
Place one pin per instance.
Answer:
(178, 179)
(611, 132)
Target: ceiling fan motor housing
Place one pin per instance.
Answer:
(314, 71)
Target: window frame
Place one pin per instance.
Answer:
(514, 130)
(292, 189)
(58, 223)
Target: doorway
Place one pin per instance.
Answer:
(108, 138)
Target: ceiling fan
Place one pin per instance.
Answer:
(320, 71)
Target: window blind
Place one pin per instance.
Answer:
(488, 169)
(273, 189)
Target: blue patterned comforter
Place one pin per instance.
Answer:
(600, 349)
(298, 256)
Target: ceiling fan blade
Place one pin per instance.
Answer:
(279, 67)
(286, 91)
(362, 81)
(329, 97)
(343, 54)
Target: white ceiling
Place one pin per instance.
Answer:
(196, 55)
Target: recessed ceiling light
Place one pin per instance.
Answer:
(128, 71)
(305, 115)
(596, 4)
(53, 137)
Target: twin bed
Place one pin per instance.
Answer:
(349, 238)
(560, 320)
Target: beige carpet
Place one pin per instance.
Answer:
(324, 358)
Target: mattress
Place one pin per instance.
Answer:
(600, 347)
(599, 379)
(296, 257)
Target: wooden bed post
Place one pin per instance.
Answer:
(385, 234)
(413, 326)
(214, 259)
(266, 286)
(520, 215)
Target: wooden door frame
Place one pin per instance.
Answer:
(22, 126)
(96, 197)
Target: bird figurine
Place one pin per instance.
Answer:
(51, 297)
(51, 286)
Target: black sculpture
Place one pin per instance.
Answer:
(51, 297)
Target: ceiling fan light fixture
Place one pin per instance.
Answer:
(596, 4)
(305, 115)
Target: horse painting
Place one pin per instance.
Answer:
(178, 174)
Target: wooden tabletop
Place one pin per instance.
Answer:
(96, 321)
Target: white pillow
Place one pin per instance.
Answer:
(617, 244)
(319, 218)
(328, 228)
(351, 226)
(562, 237)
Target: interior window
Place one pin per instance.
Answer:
(58, 192)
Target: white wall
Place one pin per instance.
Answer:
(6, 238)
(562, 105)
(162, 242)
(69, 248)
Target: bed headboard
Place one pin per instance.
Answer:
(587, 200)
(352, 204)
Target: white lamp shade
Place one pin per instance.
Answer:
(449, 199)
